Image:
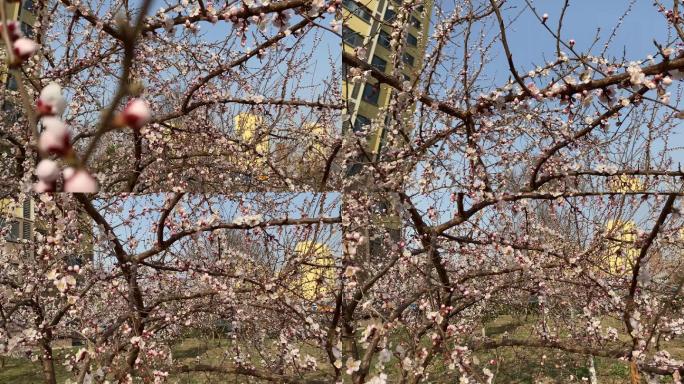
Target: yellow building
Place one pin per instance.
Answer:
(317, 274)
(315, 152)
(23, 13)
(622, 252)
(626, 183)
(368, 24)
(251, 129)
(19, 218)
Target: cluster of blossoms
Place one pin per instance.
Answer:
(63, 283)
(250, 220)
(55, 139)
(22, 47)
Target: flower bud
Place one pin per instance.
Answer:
(13, 30)
(24, 48)
(79, 181)
(136, 113)
(47, 171)
(42, 186)
(55, 136)
(51, 102)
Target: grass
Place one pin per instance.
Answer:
(511, 365)
(25, 371)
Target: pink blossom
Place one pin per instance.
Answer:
(137, 113)
(13, 30)
(55, 136)
(24, 48)
(68, 172)
(47, 170)
(79, 181)
(636, 76)
(42, 187)
(51, 102)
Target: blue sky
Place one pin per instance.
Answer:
(323, 44)
(294, 205)
(529, 41)
(584, 20)
(529, 38)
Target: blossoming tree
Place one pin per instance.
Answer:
(513, 227)
(131, 98)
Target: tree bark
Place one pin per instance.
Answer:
(592, 371)
(48, 363)
(634, 373)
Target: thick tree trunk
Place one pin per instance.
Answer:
(592, 371)
(48, 364)
(634, 373)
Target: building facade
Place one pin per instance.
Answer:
(368, 25)
(17, 220)
(317, 275)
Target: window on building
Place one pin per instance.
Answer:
(415, 22)
(379, 63)
(354, 169)
(351, 37)
(360, 122)
(11, 113)
(371, 94)
(380, 208)
(27, 30)
(28, 5)
(357, 9)
(26, 230)
(384, 39)
(412, 40)
(375, 246)
(389, 14)
(12, 83)
(14, 231)
(27, 209)
(8, 107)
(408, 59)
(74, 260)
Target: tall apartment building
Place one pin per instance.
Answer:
(368, 24)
